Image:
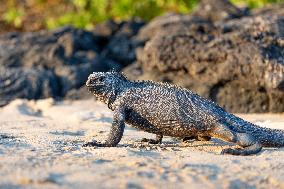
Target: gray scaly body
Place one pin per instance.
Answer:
(169, 110)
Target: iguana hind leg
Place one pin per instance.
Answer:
(248, 143)
(158, 140)
(197, 138)
(203, 138)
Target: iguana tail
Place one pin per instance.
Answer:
(266, 136)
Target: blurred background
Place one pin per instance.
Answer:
(228, 51)
(33, 15)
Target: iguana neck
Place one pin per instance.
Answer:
(113, 94)
(110, 100)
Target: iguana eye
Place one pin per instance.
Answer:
(100, 79)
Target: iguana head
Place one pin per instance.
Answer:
(105, 84)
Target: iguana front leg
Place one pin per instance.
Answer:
(158, 139)
(116, 131)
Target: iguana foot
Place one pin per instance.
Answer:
(151, 141)
(186, 139)
(203, 138)
(197, 138)
(158, 140)
(94, 144)
(250, 150)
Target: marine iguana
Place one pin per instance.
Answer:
(169, 110)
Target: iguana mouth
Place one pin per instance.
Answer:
(89, 84)
(95, 87)
(94, 81)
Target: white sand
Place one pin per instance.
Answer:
(40, 147)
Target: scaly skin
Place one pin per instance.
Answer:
(169, 110)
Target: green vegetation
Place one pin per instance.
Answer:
(38, 14)
(255, 3)
(14, 16)
(87, 12)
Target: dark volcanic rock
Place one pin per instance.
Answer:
(216, 10)
(106, 29)
(81, 93)
(48, 64)
(26, 83)
(65, 56)
(65, 46)
(236, 62)
(122, 43)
